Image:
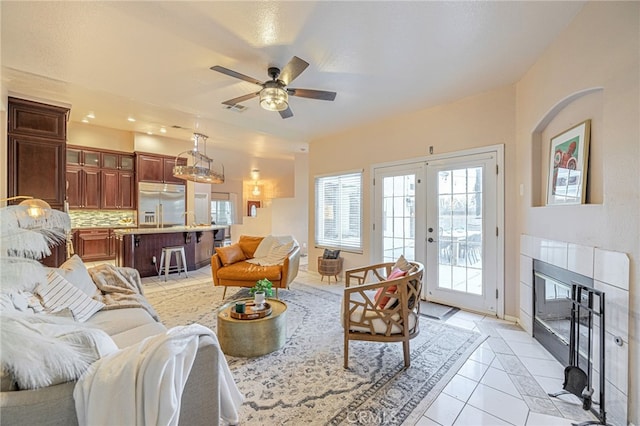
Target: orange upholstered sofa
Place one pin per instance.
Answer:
(254, 258)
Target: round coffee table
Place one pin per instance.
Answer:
(255, 337)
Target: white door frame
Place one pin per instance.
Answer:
(498, 149)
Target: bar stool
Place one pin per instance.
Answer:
(181, 261)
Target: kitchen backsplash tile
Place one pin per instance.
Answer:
(102, 218)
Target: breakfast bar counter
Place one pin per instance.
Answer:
(139, 247)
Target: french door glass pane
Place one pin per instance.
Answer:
(460, 230)
(398, 217)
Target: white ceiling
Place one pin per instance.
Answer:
(151, 60)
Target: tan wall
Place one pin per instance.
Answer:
(482, 120)
(599, 49)
(99, 137)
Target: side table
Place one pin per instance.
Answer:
(329, 268)
(249, 338)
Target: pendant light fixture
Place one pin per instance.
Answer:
(201, 170)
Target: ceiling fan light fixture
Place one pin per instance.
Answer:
(274, 99)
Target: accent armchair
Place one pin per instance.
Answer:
(383, 306)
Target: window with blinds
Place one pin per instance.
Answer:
(339, 211)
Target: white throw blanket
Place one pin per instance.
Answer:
(142, 384)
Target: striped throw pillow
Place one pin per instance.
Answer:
(58, 294)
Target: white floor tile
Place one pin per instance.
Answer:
(532, 350)
(500, 380)
(426, 421)
(462, 323)
(543, 367)
(483, 354)
(471, 416)
(460, 387)
(499, 404)
(537, 419)
(515, 336)
(473, 370)
(497, 364)
(444, 409)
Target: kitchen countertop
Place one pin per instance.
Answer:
(139, 231)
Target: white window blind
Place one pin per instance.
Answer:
(339, 211)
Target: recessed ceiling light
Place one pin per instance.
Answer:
(85, 120)
(163, 130)
(149, 132)
(131, 119)
(91, 115)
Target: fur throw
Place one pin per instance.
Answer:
(44, 350)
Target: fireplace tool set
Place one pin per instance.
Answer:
(577, 381)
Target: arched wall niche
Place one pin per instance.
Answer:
(580, 106)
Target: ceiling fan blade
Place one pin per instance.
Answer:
(286, 113)
(236, 74)
(239, 99)
(313, 94)
(292, 70)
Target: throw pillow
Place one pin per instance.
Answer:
(402, 264)
(264, 247)
(331, 254)
(249, 245)
(74, 271)
(43, 350)
(59, 293)
(230, 254)
(276, 255)
(381, 299)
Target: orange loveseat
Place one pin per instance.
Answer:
(230, 268)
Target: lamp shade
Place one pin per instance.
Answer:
(274, 99)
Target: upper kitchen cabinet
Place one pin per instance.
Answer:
(117, 189)
(115, 161)
(82, 157)
(36, 140)
(157, 168)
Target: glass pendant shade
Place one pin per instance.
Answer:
(274, 99)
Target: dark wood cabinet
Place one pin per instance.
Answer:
(157, 168)
(83, 157)
(36, 143)
(115, 161)
(117, 190)
(83, 188)
(94, 244)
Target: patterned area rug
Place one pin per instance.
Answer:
(304, 382)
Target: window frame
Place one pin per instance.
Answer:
(344, 211)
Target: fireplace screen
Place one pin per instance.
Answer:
(552, 308)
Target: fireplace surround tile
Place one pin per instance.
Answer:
(526, 266)
(554, 252)
(616, 314)
(580, 259)
(612, 268)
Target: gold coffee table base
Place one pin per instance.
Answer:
(250, 338)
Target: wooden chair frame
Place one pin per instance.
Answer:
(408, 292)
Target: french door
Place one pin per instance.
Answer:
(399, 212)
(462, 232)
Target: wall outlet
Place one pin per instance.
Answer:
(153, 260)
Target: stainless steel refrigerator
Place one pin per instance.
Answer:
(160, 205)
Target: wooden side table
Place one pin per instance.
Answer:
(329, 268)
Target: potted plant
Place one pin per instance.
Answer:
(262, 289)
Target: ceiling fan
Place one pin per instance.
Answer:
(274, 95)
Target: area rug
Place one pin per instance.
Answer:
(304, 381)
(436, 310)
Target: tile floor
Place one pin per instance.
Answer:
(504, 382)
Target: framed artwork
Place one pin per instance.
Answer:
(252, 207)
(568, 162)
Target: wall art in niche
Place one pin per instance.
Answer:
(568, 162)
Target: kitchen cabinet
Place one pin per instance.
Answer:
(82, 157)
(117, 189)
(157, 168)
(115, 161)
(94, 244)
(83, 188)
(36, 143)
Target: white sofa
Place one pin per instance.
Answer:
(126, 326)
